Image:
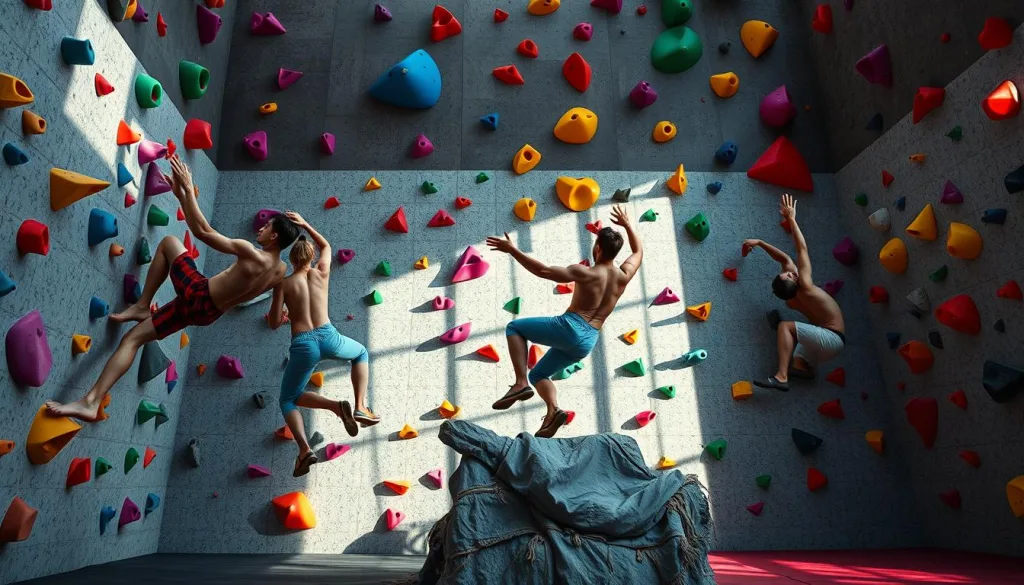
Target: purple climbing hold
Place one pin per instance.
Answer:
(129, 513)
(381, 13)
(149, 151)
(256, 144)
(612, 6)
(327, 143)
(777, 108)
(876, 66)
(345, 255)
(846, 252)
(140, 14)
(208, 23)
(287, 77)
(28, 353)
(254, 471)
(156, 184)
(131, 290)
(262, 217)
(642, 95)
(848, 5)
(230, 367)
(583, 31)
(833, 287)
(265, 24)
(421, 147)
(951, 195)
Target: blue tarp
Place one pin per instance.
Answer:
(583, 510)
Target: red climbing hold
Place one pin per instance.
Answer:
(40, 4)
(397, 222)
(927, 99)
(508, 74)
(960, 314)
(1010, 290)
(489, 352)
(331, 203)
(393, 518)
(887, 178)
(996, 34)
(462, 202)
(1003, 103)
(878, 294)
(594, 226)
(822, 21)
(783, 166)
(33, 238)
(181, 215)
(171, 149)
(971, 457)
(444, 24)
(500, 15)
(917, 355)
(923, 414)
(103, 86)
(534, 356)
(951, 498)
(837, 377)
(832, 409)
(148, 457)
(641, 10)
(441, 219)
(731, 274)
(815, 479)
(161, 25)
(528, 48)
(959, 398)
(198, 135)
(944, 37)
(79, 471)
(129, 200)
(756, 508)
(577, 72)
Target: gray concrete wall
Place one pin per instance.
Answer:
(80, 137)
(977, 165)
(160, 55)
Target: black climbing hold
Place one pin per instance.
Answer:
(315, 439)
(1001, 382)
(935, 338)
(996, 216)
(621, 195)
(875, 123)
(805, 442)
(1000, 326)
(260, 398)
(901, 203)
(723, 47)
(893, 338)
(1015, 181)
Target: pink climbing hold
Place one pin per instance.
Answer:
(230, 367)
(642, 95)
(327, 143)
(255, 471)
(393, 518)
(583, 31)
(156, 184)
(381, 13)
(262, 217)
(666, 297)
(951, 195)
(334, 450)
(421, 147)
(437, 477)
(441, 219)
(756, 508)
(171, 374)
(457, 334)
(833, 287)
(256, 144)
(345, 255)
(129, 513)
(149, 151)
(443, 303)
(876, 66)
(208, 24)
(777, 108)
(470, 265)
(265, 24)
(29, 359)
(846, 252)
(287, 77)
(612, 6)
(645, 417)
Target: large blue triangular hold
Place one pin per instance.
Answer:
(490, 120)
(413, 82)
(123, 176)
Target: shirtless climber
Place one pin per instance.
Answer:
(314, 338)
(572, 335)
(200, 301)
(801, 346)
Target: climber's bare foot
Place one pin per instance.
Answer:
(81, 409)
(135, 312)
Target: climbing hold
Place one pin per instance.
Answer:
(230, 367)
(636, 367)
(956, 134)
(98, 308)
(131, 457)
(294, 511)
(256, 471)
(67, 187)
(157, 217)
(994, 216)
(935, 338)
(482, 177)
(422, 264)
(428, 188)
(152, 502)
(262, 217)
(392, 518)
(383, 268)
(408, 432)
(731, 274)
(542, 7)
(13, 155)
(919, 300)
(489, 352)
(334, 450)
(490, 120)
(642, 95)
(893, 339)
(757, 36)
(102, 86)
(996, 34)
(107, 514)
(641, 10)
(577, 126)
(399, 486)
(893, 256)
(577, 194)
(256, 145)
(525, 209)
(846, 252)
(725, 85)
(150, 151)
(161, 25)
(805, 442)
(17, 523)
(714, 187)
(171, 378)
(583, 31)
(331, 202)
(265, 24)
(631, 336)
(645, 417)
(666, 296)
(917, 158)
(77, 51)
(939, 274)
(663, 131)
(198, 135)
(29, 359)
(716, 448)
(33, 238)
(456, 334)
(500, 15)
(971, 457)
(565, 288)
(923, 414)
(131, 289)
(668, 391)
(959, 398)
(1014, 181)
(287, 77)
(156, 183)
(534, 356)
(649, 215)
(462, 202)
(1010, 290)
(927, 99)
(469, 266)
(194, 79)
(153, 362)
(861, 199)
(837, 377)
(999, 326)
(666, 463)
(129, 513)
(414, 82)
(695, 356)
(832, 287)
(726, 155)
(876, 66)
(876, 439)
(677, 183)
(284, 433)
(822, 21)
(148, 91)
(887, 178)
(48, 435)
(951, 195)
(701, 311)
(1014, 494)
(397, 222)
(698, 226)
(917, 355)
(960, 314)
(832, 409)
(267, 108)
(208, 24)
(421, 147)
(508, 74)
(756, 508)
(577, 72)
(317, 379)
(777, 108)
(783, 166)
(742, 390)
(1001, 382)
(514, 306)
(924, 226)
(449, 410)
(80, 344)
(676, 50)
(442, 303)
(31, 123)
(14, 92)
(963, 241)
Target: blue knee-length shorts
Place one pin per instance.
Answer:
(308, 349)
(569, 336)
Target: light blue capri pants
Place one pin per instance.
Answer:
(569, 336)
(306, 352)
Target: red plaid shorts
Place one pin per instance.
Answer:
(192, 306)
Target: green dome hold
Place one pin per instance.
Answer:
(676, 50)
(676, 12)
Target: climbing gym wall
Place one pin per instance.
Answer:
(52, 500)
(947, 187)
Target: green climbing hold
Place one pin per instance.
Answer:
(940, 274)
(383, 269)
(482, 178)
(636, 367)
(676, 50)
(102, 466)
(649, 215)
(861, 199)
(130, 459)
(956, 133)
(428, 188)
(699, 227)
(572, 369)
(194, 79)
(147, 410)
(157, 216)
(669, 391)
(676, 12)
(514, 306)
(374, 298)
(763, 481)
(716, 448)
(148, 91)
(144, 256)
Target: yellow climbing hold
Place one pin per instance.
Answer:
(67, 187)
(408, 432)
(577, 194)
(876, 439)
(577, 126)
(664, 131)
(525, 160)
(677, 182)
(542, 7)
(80, 344)
(963, 241)
(630, 337)
(666, 463)
(758, 36)
(525, 209)
(894, 256)
(183, 341)
(701, 311)
(449, 410)
(422, 264)
(268, 108)
(372, 185)
(48, 435)
(725, 85)
(317, 379)
(742, 390)
(924, 226)
(1015, 495)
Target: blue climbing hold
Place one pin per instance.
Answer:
(13, 155)
(77, 51)
(490, 120)
(98, 308)
(875, 123)
(893, 338)
(106, 515)
(413, 82)
(123, 176)
(901, 203)
(996, 216)
(726, 154)
(102, 226)
(714, 187)
(152, 502)
(7, 285)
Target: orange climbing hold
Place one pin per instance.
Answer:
(284, 433)
(960, 314)
(317, 379)
(399, 486)
(125, 134)
(48, 435)
(963, 241)
(923, 414)
(14, 92)
(677, 183)
(1014, 494)
(917, 355)
(489, 352)
(67, 187)
(408, 432)
(79, 471)
(449, 410)
(630, 337)
(32, 123)
(742, 390)
(837, 377)
(18, 521)
(876, 439)
(535, 354)
(959, 398)
(816, 480)
(782, 165)
(526, 159)
(832, 409)
(6, 447)
(701, 311)
(577, 72)
(893, 258)
(148, 457)
(294, 511)
(200, 369)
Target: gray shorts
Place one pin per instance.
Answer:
(816, 344)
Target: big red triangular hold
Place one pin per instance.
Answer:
(470, 265)
(923, 414)
(960, 314)
(489, 352)
(577, 72)
(103, 86)
(527, 48)
(783, 166)
(441, 219)
(444, 24)
(927, 99)
(832, 409)
(333, 202)
(816, 480)
(837, 377)
(500, 15)
(1010, 290)
(508, 74)
(397, 222)
(959, 398)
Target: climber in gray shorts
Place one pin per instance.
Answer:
(801, 346)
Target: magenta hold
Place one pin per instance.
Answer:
(642, 95)
(29, 359)
(456, 334)
(846, 252)
(951, 195)
(230, 367)
(287, 77)
(256, 144)
(345, 256)
(327, 143)
(583, 31)
(848, 5)
(131, 290)
(381, 13)
(129, 512)
(876, 66)
(149, 151)
(156, 184)
(208, 24)
(262, 217)
(443, 303)
(265, 24)
(777, 108)
(833, 287)
(421, 147)
(612, 6)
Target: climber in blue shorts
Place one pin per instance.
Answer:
(572, 335)
(314, 338)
